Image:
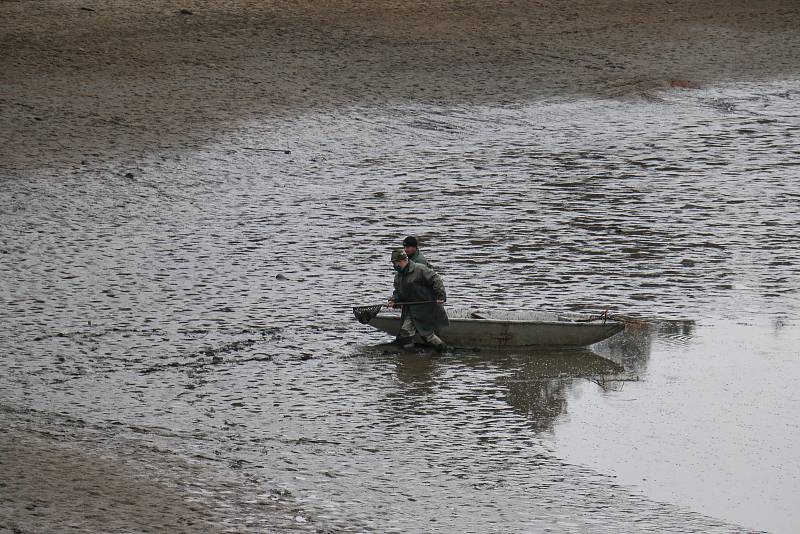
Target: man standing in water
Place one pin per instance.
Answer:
(414, 282)
(412, 251)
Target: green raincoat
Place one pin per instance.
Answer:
(417, 282)
(419, 258)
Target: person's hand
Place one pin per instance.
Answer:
(439, 302)
(390, 303)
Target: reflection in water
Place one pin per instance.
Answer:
(676, 332)
(536, 385)
(632, 348)
(417, 372)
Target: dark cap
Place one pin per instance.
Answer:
(410, 241)
(399, 254)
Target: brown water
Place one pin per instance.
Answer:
(196, 302)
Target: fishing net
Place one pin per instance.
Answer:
(364, 314)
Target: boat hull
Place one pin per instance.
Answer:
(500, 333)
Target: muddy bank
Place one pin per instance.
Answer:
(49, 486)
(86, 80)
(61, 474)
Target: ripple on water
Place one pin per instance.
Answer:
(210, 295)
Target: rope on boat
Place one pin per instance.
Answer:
(605, 316)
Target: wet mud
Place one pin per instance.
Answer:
(193, 197)
(87, 81)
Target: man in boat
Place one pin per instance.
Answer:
(423, 289)
(412, 251)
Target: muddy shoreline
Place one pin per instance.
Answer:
(64, 474)
(86, 81)
(54, 485)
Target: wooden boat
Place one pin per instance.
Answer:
(501, 329)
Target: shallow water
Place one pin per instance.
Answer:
(705, 426)
(198, 300)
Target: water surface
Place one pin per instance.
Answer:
(197, 301)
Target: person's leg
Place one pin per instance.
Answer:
(436, 341)
(407, 333)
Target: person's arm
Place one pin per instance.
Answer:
(435, 281)
(438, 287)
(395, 295)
